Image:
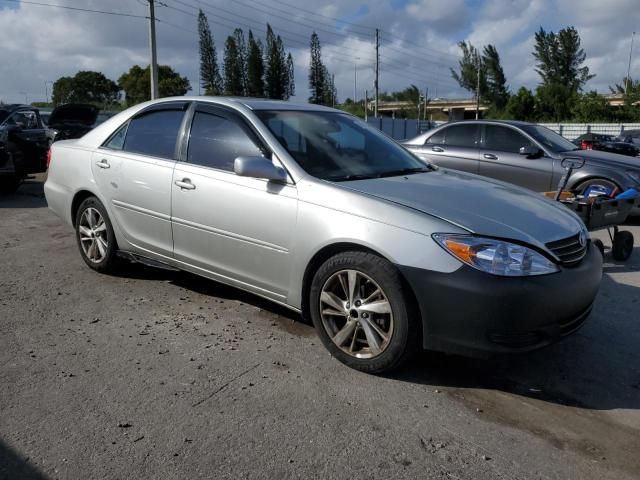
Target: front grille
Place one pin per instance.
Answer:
(568, 250)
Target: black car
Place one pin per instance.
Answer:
(72, 120)
(631, 137)
(24, 143)
(606, 143)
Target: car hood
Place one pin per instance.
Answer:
(479, 205)
(598, 157)
(74, 114)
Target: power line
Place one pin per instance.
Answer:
(87, 10)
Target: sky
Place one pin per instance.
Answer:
(417, 39)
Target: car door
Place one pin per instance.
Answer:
(454, 146)
(28, 141)
(500, 159)
(235, 229)
(134, 171)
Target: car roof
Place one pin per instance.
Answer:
(253, 103)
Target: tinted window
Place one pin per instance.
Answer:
(461, 135)
(437, 138)
(116, 142)
(25, 119)
(154, 133)
(216, 142)
(504, 139)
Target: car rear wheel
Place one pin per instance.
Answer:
(95, 237)
(362, 313)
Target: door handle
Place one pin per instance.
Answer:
(437, 149)
(103, 163)
(185, 184)
(490, 156)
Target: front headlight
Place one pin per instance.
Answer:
(495, 256)
(635, 176)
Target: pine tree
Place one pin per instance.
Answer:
(210, 79)
(497, 92)
(241, 46)
(291, 84)
(232, 69)
(278, 83)
(317, 72)
(255, 68)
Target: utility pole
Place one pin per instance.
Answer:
(366, 104)
(626, 90)
(426, 102)
(478, 86)
(375, 85)
(154, 59)
(333, 90)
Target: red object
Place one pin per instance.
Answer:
(586, 145)
(48, 157)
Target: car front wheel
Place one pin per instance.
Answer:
(95, 237)
(362, 313)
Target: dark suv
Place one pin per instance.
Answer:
(23, 145)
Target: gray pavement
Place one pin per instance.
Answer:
(155, 374)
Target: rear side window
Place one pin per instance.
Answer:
(437, 138)
(504, 139)
(217, 140)
(154, 133)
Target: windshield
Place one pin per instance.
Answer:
(338, 147)
(550, 139)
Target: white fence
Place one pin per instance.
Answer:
(571, 131)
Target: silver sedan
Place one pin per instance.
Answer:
(312, 209)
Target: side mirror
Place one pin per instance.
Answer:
(258, 167)
(529, 150)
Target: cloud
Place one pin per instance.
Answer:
(418, 39)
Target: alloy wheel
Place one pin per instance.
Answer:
(93, 235)
(356, 314)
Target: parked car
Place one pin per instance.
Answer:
(630, 136)
(72, 120)
(605, 143)
(23, 145)
(311, 208)
(521, 153)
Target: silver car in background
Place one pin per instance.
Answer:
(312, 209)
(521, 153)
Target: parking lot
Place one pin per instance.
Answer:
(157, 374)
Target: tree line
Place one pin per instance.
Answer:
(559, 96)
(250, 67)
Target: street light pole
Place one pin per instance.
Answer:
(626, 91)
(152, 43)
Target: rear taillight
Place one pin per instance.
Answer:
(586, 145)
(48, 157)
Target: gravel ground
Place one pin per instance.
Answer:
(155, 374)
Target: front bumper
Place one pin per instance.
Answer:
(473, 313)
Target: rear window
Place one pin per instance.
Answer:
(154, 133)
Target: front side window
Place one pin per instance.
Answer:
(550, 139)
(338, 147)
(217, 140)
(154, 133)
(504, 139)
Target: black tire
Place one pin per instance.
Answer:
(405, 334)
(109, 261)
(9, 184)
(599, 245)
(622, 245)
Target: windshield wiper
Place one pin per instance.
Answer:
(346, 178)
(404, 171)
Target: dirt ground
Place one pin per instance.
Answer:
(156, 374)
